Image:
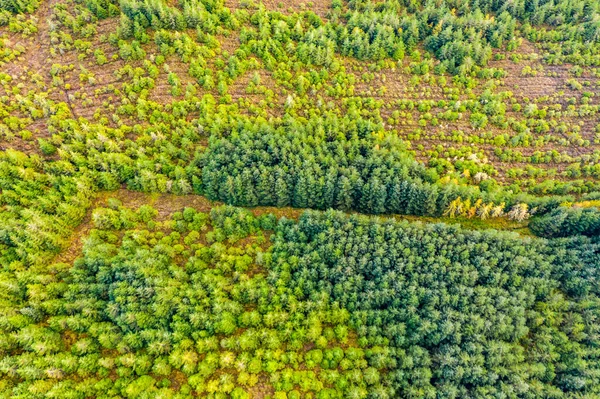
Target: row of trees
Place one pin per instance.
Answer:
(194, 14)
(337, 163)
(568, 221)
(460, 40)
(321, 163)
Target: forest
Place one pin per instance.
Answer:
(315, 199)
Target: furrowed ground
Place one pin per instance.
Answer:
(545, 115)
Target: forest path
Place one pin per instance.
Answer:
(166, 204)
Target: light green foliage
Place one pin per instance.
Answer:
(181, 309)
(476, 109)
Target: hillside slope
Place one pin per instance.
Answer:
(129, 130)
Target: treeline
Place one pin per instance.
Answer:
(461, 35)
(568, 221)
(468, 314)
(551, 12)
(193, 14)
(321, 163)
(331, 162)
(103, 8)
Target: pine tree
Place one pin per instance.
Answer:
(248, 189)
(432, 194)
(343, 194)
(266, 188)
(417, 199)
(404, 198)
(301, 189)
(329, 189)
(281, 190)
(394, 195)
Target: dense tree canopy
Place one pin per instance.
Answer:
(154, 309)
(464, 119)
(339, 307)
(564, 222)
(469, 314)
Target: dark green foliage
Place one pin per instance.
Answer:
(300, 106)
(565, 222)
(158, 15)
(322, 163)
(103, 8)
(468, 314)
(19, 6)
